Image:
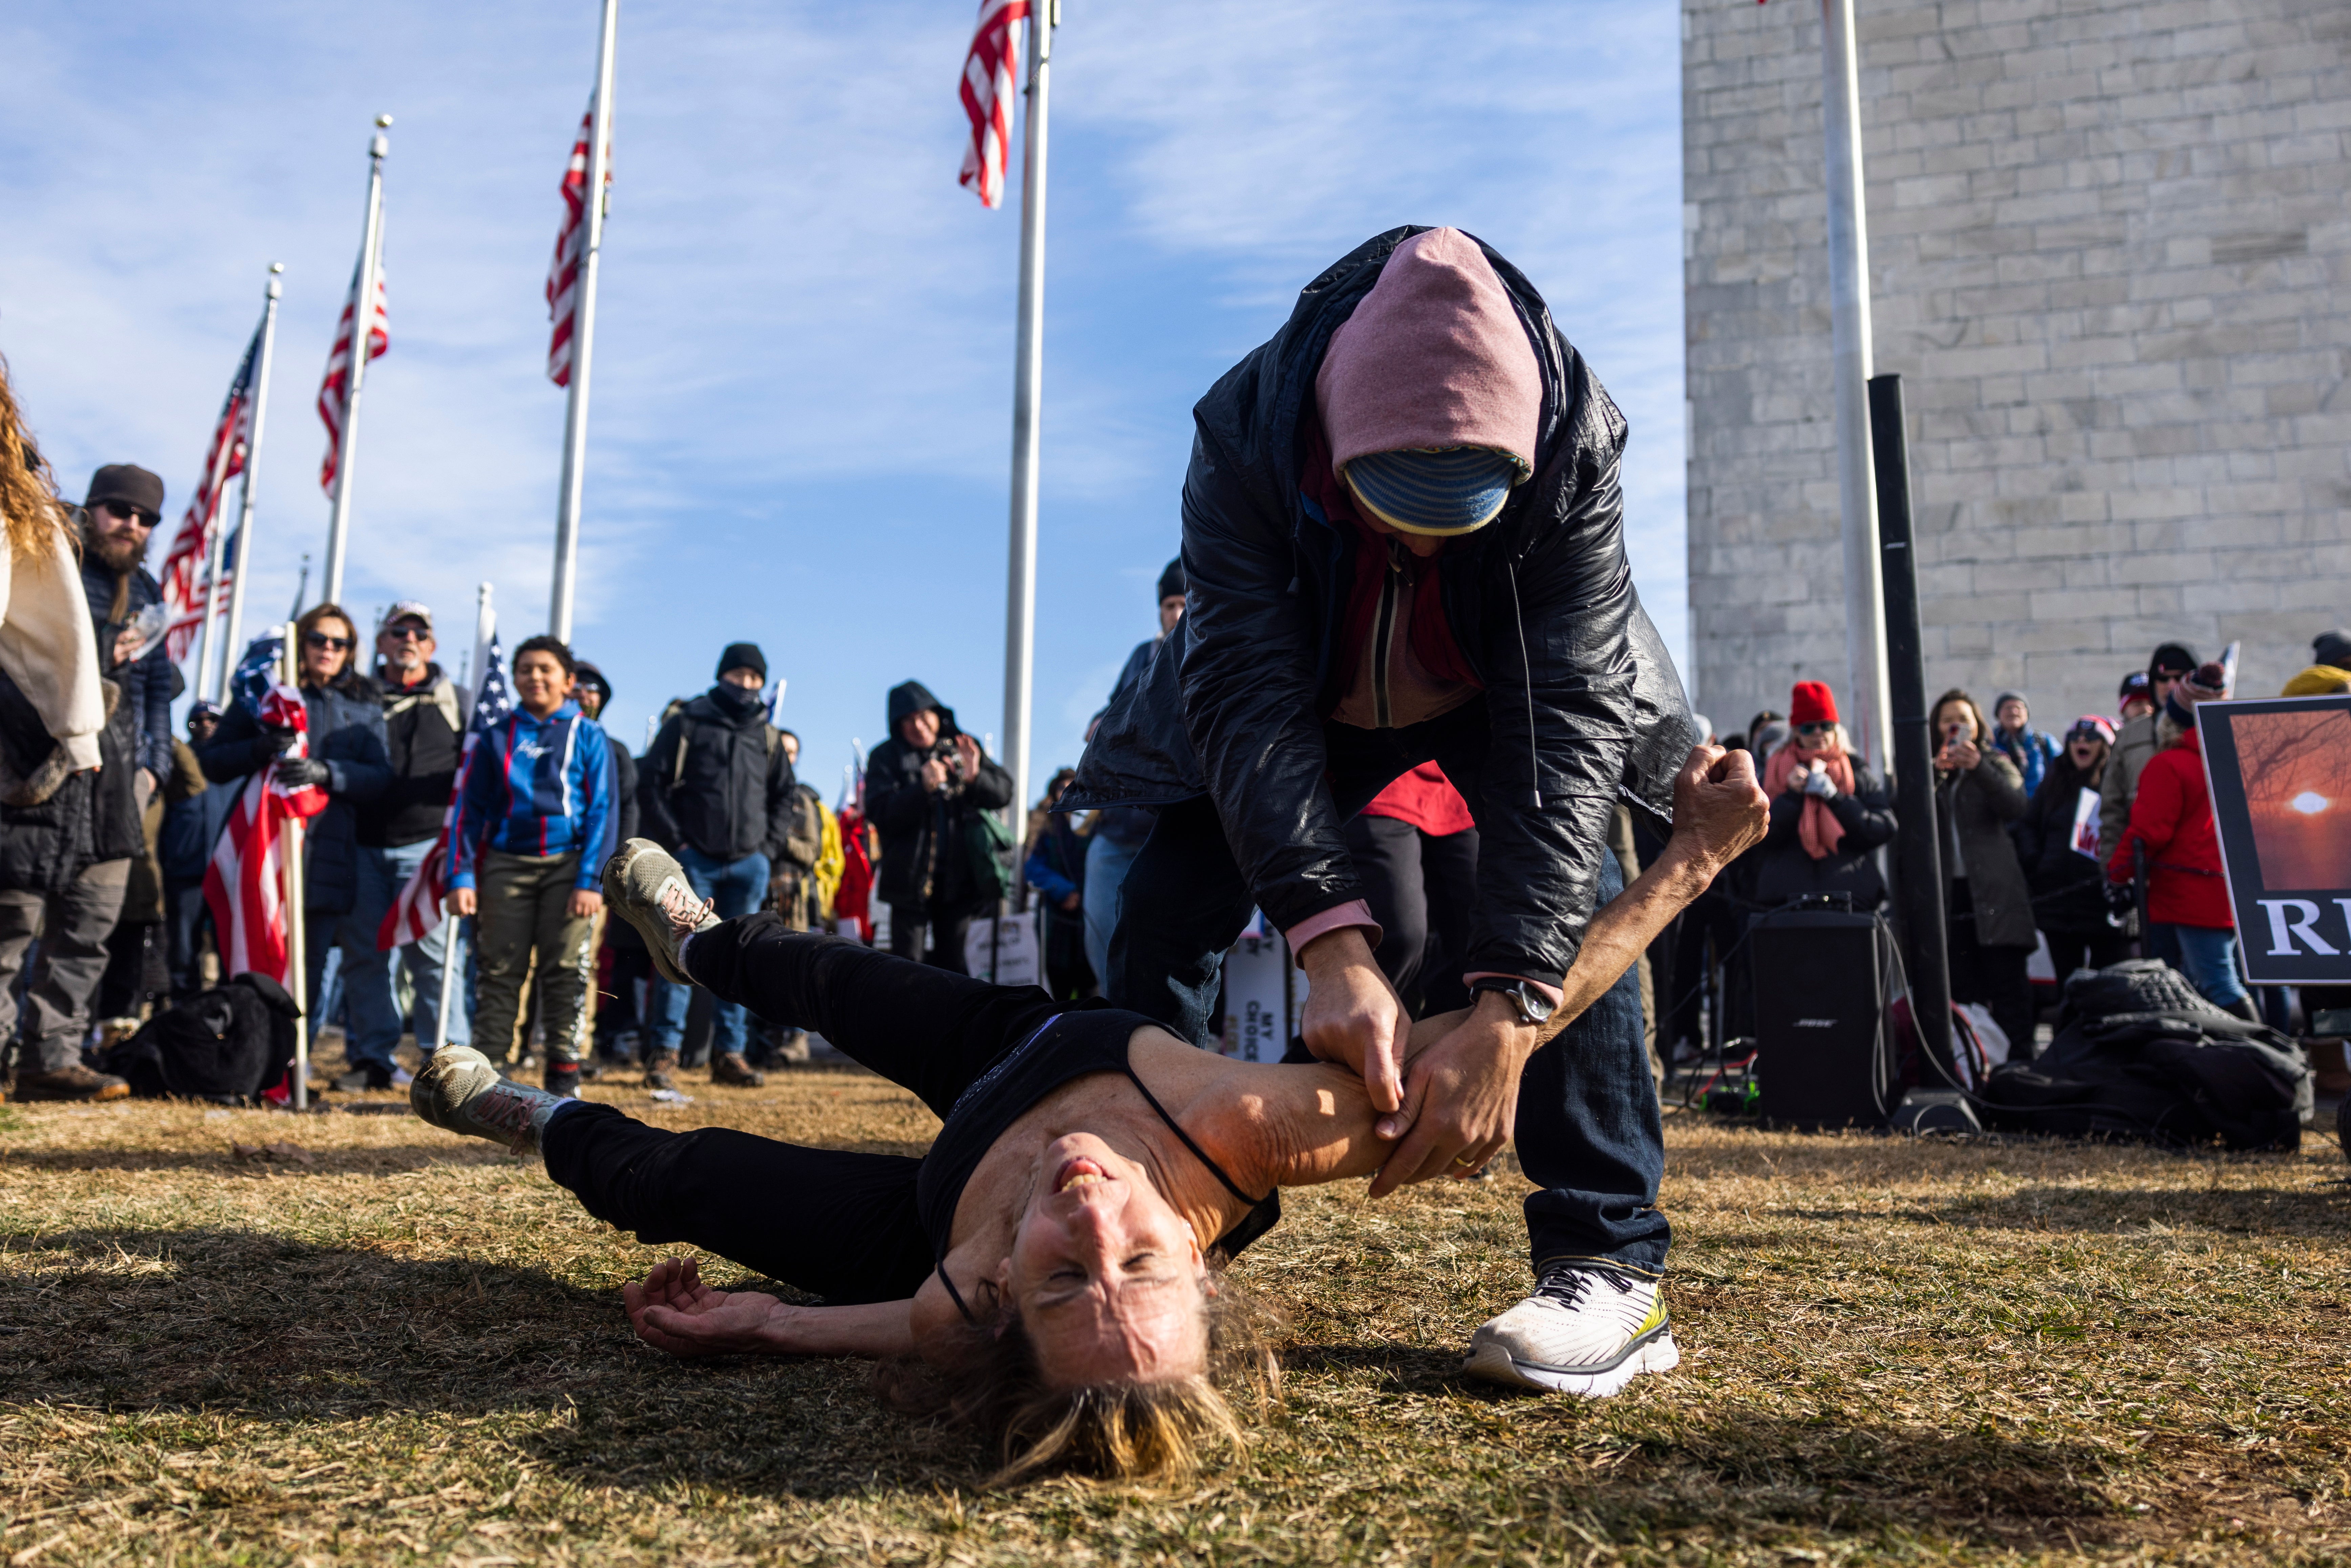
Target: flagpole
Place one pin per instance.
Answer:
(583, 338)
(1848, 235)
(297, 962)
(219, 539)
(1028, 393)
(240, 566)
(362, 330)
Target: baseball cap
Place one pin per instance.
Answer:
(407, 610)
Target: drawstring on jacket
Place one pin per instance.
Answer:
(1527, 672)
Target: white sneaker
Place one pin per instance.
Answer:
(401, 1078)
(1589, 1329)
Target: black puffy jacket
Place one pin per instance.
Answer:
(346, 721)
(927, 839)
(1785, 870)
(715, 777)
(1583, 702)
(2068, 888)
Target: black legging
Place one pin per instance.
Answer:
(835, 1222)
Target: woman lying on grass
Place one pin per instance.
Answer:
(1056, 1254)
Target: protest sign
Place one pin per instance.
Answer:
(2280, 774)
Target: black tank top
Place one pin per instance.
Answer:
(1088, 1038)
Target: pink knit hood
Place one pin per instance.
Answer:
(1435, 356)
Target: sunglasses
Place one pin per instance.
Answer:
(321, 640)
(1814, 728)
(408, 634)
(123, 511)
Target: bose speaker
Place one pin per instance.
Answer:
(1819, 1017)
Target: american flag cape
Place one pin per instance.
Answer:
(188, 595)
(417, 909)
(245, 885)
(571, 245)
(988, 89)
(335, 392)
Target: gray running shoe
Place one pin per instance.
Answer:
(460, 1092)
(646, 887)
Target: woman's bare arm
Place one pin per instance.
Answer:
(676, 1311)
(1316, 1124)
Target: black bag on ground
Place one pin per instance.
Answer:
(225, 1046)
(2139, 1054)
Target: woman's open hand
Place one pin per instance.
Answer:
(676, 1311)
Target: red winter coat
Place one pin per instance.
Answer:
(2172, 815)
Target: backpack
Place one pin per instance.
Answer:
(225, 1046)
(2178, 1071)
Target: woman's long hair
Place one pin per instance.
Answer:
(28, 491)
(1982, 736)
(1112, 1431)
(327, 610)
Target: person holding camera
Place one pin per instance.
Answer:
(1978, 793)
(927, 788)
(717, 783)
(1829, 812)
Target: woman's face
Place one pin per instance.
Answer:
(326, 649)
(2087, 752)
(1108, 1278)
(1955, 713)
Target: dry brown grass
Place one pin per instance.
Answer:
(412, 1351)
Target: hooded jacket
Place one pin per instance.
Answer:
(537, 786)
(2172, 816)
(926, 853)
(715, 777)
(1582, 699)
(346, 719)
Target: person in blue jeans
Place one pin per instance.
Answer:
(716, 786)
(1404, 543)
(1119, 831)
(424, 729)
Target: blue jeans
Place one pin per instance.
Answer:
(1106, 867)
(736, 887)
(2208, 956)
(374, 1008)
(1588, 1131)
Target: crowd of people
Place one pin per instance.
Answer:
(2092, 845)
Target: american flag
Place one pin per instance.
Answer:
(245, 885)
(188, 597)
(335, 392)
(571, 244)
(417, 909)
(987, 89)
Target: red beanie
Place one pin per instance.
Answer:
(1811, 702)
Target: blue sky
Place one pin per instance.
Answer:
(801, 433)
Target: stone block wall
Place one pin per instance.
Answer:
(2110, 255)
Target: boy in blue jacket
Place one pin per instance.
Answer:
(535, 824)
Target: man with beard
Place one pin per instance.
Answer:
(423, 728)
(118, 519)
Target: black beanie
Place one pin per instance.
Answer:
(1170, 582)
(743, 657)
(2172, 659)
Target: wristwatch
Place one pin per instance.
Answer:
(1532, 1006)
